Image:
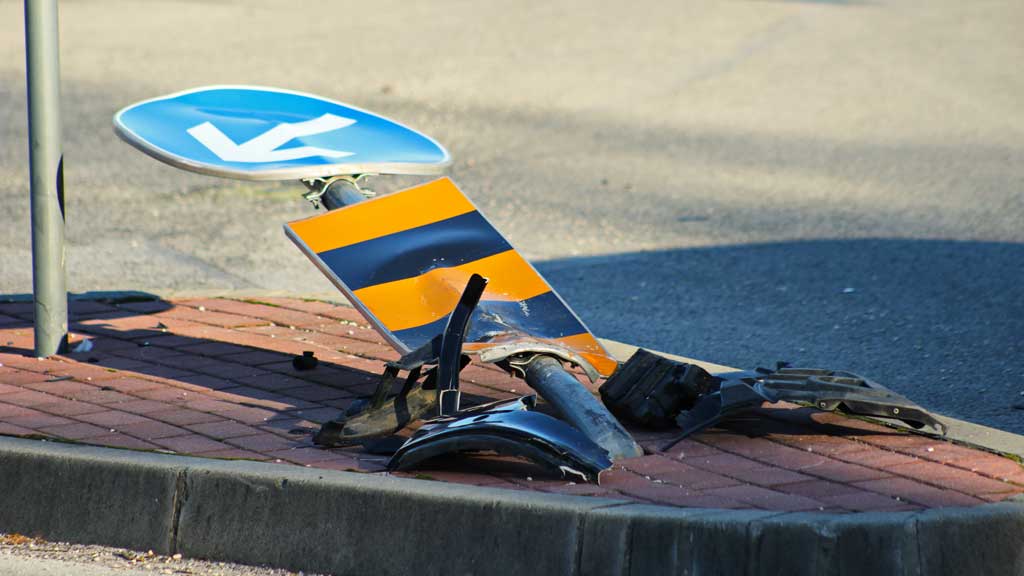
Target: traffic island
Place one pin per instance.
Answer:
(206, 397)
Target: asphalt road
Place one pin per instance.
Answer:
(830, 183)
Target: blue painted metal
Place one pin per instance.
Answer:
(227, 131)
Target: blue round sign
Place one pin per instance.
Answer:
(256, 133)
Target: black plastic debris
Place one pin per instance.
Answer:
(305, 362)
(431, 391)
(651, 390)
(509, 428)
(657, 391)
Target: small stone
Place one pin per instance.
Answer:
(177, 556)
(930, 449)
(202, 308)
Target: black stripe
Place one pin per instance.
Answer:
(413, 252)
(547, 317)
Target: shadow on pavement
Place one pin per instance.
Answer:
(941, 322)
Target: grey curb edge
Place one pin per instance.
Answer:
(341, 522)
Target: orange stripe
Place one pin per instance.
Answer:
(417, 301)
(411, 208)
(583, 344)
(591, 350)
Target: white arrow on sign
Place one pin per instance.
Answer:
(263, 148)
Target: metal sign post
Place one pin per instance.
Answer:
(49, 279)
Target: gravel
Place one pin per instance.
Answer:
(20, 550)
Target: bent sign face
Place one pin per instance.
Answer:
(255, 133)
(404, 260)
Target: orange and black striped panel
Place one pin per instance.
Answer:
(403, 259)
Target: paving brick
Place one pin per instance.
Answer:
(689, 449)
(818, 489)
(277, 315)
(206, 381)
(89, 307)
(845, 472)
(250, 415)
(168, 395)
(11, 410)
(276, 382)
(37, 420)
(287, 427)
(28, 398)
(145, 306)
(306, 455)
(230, 370)
(122, 441)
(142, 406)
(111, 418)
(723, 463)
(257, 357)
(768, 476)
(22, 377)
(223, 429)
(907, 443)
(943, 452)
(61, 388)
(114, 364)
(318, 393)
(6, 320)
(267, 399)
(213, 349)
(12, 430)
(620, 479)
(992, 466)
(767, 499)
(863, 501)
(98, 396)
(952, 478)
(128, 385)
(164, 374)
(84, 372)
(265, 442)
(916, 492)
(67, 407)
(151, 430)
(235, 454)
(77, 431)
(183, 416)
(191, 444)
(210, 317)
(569, 489)
(674, 496)
(876, 458)
(318, 415)
(209, 405)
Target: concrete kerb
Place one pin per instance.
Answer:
(342, 522)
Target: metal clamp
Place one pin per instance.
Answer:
(318, 187)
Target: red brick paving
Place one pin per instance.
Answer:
(213, 377)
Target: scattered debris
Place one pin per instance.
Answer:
(305, 362)
(83, 346)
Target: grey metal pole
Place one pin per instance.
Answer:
(577, 405)
(49, 279)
